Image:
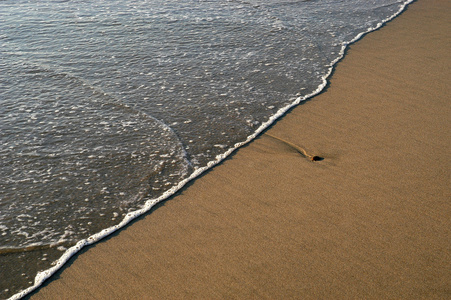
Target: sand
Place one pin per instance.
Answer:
(370, 221)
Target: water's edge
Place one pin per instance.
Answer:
(46, 274)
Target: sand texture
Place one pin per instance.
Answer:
(370, 221)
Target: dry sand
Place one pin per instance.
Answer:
(370, 221)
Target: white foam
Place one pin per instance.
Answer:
(44, 275)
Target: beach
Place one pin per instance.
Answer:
(370, 220)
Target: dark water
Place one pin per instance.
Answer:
(107, 107)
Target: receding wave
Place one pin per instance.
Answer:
(77, 158)
(106, 111)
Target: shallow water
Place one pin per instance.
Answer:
(105, 105)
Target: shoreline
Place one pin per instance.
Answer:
(205, 235)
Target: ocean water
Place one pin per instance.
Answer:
(110, 106)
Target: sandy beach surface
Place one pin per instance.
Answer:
(370, 221)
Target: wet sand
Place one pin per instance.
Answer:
(370, 221)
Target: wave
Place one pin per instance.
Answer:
(93, 148)
(44, 275)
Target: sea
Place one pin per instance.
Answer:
(108, 107)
